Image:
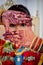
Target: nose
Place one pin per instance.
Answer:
(16, 32)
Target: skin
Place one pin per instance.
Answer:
(22, 35)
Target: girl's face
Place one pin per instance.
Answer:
(17, 34)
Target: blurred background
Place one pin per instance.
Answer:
(36, 10)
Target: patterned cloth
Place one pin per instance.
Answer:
(17, 17)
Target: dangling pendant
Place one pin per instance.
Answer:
(18, 59)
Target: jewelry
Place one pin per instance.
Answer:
(19, 53)
(40, 46)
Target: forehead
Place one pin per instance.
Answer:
(16, 17)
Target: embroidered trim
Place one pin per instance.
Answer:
(29, 58)
(19, 53)
(38, 43)
(40, 46)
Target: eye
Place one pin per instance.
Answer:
(23, 24)
(12, 25)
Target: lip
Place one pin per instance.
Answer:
(7, 34)
(15, 37)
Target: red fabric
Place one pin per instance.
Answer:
(29, 53)
(9, 54)
(8, 62)
(1, 49)
(1, 46)
(29, 63)
(37, 57)
(2, 42)
(33, 62)
(12, 54)
(38, 44)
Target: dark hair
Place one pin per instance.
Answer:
(21, 8)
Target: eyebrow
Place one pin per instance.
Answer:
(16, 24)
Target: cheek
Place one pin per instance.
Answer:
(23, 31)
(26, 33)
(22, 34)
(11, 29)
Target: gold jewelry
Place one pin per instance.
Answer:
(19, 53)
(40, 46)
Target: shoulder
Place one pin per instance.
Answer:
(39, 45)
